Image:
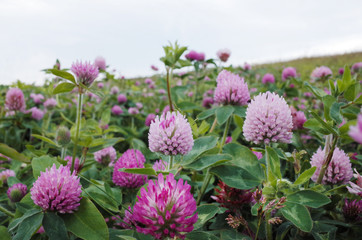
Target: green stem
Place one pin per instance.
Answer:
(62, 154)
(225, 134)
(79, 113)
(204, 186)
(327, 161)
(170, 163)
(7, 212)
(168, 78)
(268, 227)
(258, 228)
(213, 126)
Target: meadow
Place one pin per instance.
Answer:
(200, 150)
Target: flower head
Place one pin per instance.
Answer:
(121, 98)
(154, 68)
(100, 63)
(14, 100)
(207, 102)
(166, 208)
(231, 89)
(116, 110)
(69, 160)
(50, 103)
(170, 134)
(223, 54)
(131, 158)
(160, 165)
(193, 55)
(268, 78)
(341, 71)
(114, 90)
(289, 72)
(298, 119)
(322, 72)
(36, 113)
(133, 110)
(86, 72)
(356, 188)
(247, 67)
(355, 132)
(149, 119)
(268, 119)
(106, 156)
(57, 190)
(231, 198)
(17, 192)
(339, 170)
(63, 136)
(37, 98)
(356, 67)
(352, 210)
(4, 175)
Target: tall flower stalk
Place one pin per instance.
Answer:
(78, 124)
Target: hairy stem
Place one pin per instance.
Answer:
(168, 78)
(79, 114)
(204, 186)
(7, 212)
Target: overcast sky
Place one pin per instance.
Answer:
(130, 34)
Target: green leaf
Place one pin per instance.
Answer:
(238, 121)
(186, 106)
(63, 88)
(240, 111)
(236, 177)
(358, 100)
(283, 230)
(12, 153)
(16, 222)
(309, 198)
(328, 100)
(63, 74)
(145, 171)
(324, 124)
(205, 213)
(87, 223)
(45, 139)
(40, 164)
(223, 113)
(207, 161)
(207, 113)
(273, 163)
(243, 157)
(319, 93)
(346, 79)
(28, 226)
(316, 126)
(54, 226)
(4, 233)
(305, 176)
(352, 91)
(106, 116)
(201, 145)
(298, 215)
(201, 236)
(126, 237)
(336, 113)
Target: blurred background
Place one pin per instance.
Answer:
(130, 34)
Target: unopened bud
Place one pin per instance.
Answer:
(63, 136)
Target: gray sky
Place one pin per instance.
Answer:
(130, 34)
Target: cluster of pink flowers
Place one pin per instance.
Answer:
(14, 100)
(116, 110)
(100, 63)
(322, 72)
(57, 190)
(50, 103)
(132, 158)
(289, 72)
(36, 113)
(268, 119)
(160, 165)
(195, 56)
(165, 208)
(298, 118)
(114, 90)
(4, 175)
(247, 67)
(133, 110)
(106, 156)
(149, 119)
(268, 78)
(339, 170)
(85, 72)
(223, 54)
(356, 67)
(37, 98)
(170, 134)
(356, 188)
(121, 98)
(231, 89)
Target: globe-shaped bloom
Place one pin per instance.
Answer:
(193, 55)
(170, 134)
(207, 102)
(165, 208)
(14, 100)
(341, 71)
(298, 118)
(339, 170)
(106, 156)
(57, 190)
(160, 165)
(289, 72)
(247, 67)
(116, 110)
(355, 132)
(356, 67)
(100, 63)
(37, 98)
(356, 188)
(352, 210)
(85, 72)
(133, 110)
(114, 90)
(121, 98)
(268, 119)
(36, 113)
(231, 89)
(149, 119)
(322, 72)
(4, 175)
(223, 54)
(50, 103)
(17, 192)
(132, 158)
(268, 78)
(63, 136)
(69, 160)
